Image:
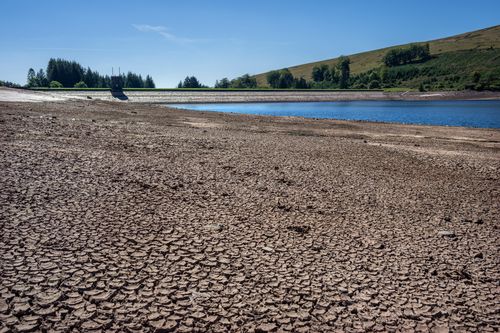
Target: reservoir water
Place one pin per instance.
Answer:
(484, 114)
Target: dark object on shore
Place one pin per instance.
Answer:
(300, 229)
(116, 83)
(117, 88)
(89, 97)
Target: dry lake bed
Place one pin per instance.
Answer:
(129, 217)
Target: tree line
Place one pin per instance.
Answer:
(190, 82)
(336, 76)
(68, 74)
(406, 55)
(242, 82)
(323, 77)
(283, 79)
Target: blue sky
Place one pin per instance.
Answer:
(215, 39)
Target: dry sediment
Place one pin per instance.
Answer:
(118, 217)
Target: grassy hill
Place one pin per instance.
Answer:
(458, 55)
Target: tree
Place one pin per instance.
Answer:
(244, 81)
(334, 75)
(343, 66)
(31, 80)
(68, 73)
(300, 83)
(273, 78)
(285, 79)
(476, 76)
(222, 84)
(374, 76)
(320, 73)
(190, 82)
(133, 80)
(41, 79)
(405, 55)
(81, 85)
(9, 84)
(55, 84)
(91, 78)
(375, 84)
(149, 83)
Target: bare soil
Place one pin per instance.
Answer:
(119, 217)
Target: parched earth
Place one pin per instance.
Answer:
(137, 218)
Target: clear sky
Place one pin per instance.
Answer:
(218, 38)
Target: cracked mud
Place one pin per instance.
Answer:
(138, 218)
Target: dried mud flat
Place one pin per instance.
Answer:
(119, 217)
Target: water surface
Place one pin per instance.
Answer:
(444, 113)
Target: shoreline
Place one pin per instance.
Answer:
(240, 96)
(335, 119)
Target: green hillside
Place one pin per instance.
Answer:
(454, 60)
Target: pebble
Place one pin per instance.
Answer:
(449, 234)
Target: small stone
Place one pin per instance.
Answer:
(301, 229)
(445, 233)
(479, 255)
(215, 227)
(267, 249)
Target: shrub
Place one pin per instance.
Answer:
(81, 85)
(55, 84)
(375, 84)
(401, 56)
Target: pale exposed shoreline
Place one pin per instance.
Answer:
(173, 97)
